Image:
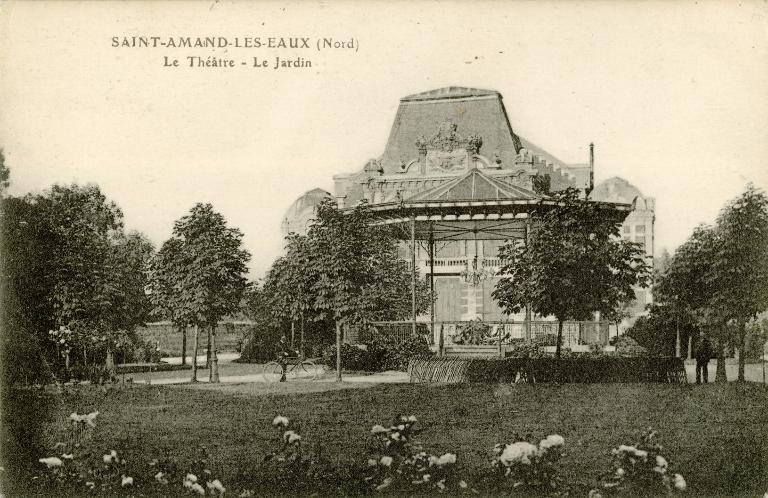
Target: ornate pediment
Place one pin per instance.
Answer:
(447, 151)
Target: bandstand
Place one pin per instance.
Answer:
(458, 182)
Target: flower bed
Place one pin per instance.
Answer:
(584, 370)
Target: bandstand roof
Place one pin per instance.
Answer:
(474, 186)
(474, 205)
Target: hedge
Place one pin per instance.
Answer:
(532, 370)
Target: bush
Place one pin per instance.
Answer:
(378, 355)
(474, 332)
(628, 347)
(584, 369)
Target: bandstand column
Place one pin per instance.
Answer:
(413, 274)
(527, 306)
(432, 283)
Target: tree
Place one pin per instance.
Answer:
(739, 275)
(199, 277)
(68, 264)
(5, 174)
(166, 293)
(289, 284)
(359, 275)
(574, 265)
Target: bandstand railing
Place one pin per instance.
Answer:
(504, 334)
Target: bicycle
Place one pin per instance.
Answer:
(295, 368)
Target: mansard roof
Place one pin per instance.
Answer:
(449, 92)
(474, 186)
(474, 112)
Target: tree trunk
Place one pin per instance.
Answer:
(303, 353)
(338, 351)
(742, 335)
(110, 361)
(720, 371)
(194, 354)
(183, 344)
(559, 338)
(208, 351)
(214, 375)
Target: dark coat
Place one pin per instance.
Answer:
(703, 351)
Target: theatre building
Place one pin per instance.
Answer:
(459, 182)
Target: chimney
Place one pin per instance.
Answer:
(591, 169)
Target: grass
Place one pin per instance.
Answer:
(714, 435)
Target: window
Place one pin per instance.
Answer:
(640, 229)
(627, 228)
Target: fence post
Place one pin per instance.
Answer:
(441, 343)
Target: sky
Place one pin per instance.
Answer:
(673, 94)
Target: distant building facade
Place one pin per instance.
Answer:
(453, 162)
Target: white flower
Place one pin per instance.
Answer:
(412, 419)
(111, 457)
(197, 489)
(371, 462)
(520, 451)
(192, 478)
(620, 472)
(291, 437)
(551, 441)
(89, 419)
(216, 486)
(126, 481)
(679, 482)
(386, 482)
(68, 456)
(433, 460)
(395, 436)
(90, 484)
(462, 484)
(386, 461)
(376, 429)
(160, 477)
(593, 493)
(661, 464)
(641, 454)
(51, 462)
(401, 427)
(280, 421)
(426, 477)
(447, 458)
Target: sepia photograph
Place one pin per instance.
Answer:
(338, 248)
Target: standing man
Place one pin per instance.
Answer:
(282, 355)
(703, 354)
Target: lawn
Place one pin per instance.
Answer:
(715, 435)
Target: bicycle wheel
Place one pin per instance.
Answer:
(308, 370)
(272, 372)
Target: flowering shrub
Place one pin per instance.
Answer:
(527, 467)
(292, 467)
(639, 469)
(399, 465)
(395, 464)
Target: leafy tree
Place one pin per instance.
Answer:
(739, 274)
(289, 284)
(5, 174)
(574, 265)
(359, 275)
(199, 275)
(166, 294)
(67, 263)
(683, 291)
